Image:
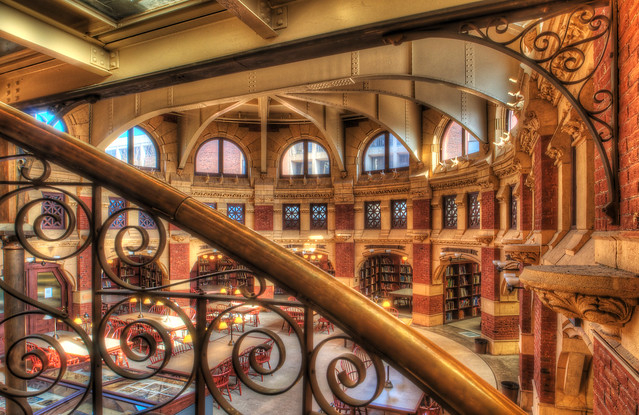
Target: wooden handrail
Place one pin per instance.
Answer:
(409, 351)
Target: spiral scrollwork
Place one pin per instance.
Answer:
(340, 380)
(142, 245)
(255, 365)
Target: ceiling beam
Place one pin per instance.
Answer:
(30, 32)
(314, 30)
(254, 13)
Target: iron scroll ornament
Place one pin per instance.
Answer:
(561, 57)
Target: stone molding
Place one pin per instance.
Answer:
(608, 311)
(529, 132)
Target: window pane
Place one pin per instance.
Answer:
(53, 212)
(397, 153)
(472, 146)
(235, 211)
(399, 218)
(119, 147)
(452, 142)
(450, 212)
(49, 289)
(293, 160)
(319, 216)
(473, 211)
(207, 158)
(233, 162)
(47, 118)
(374, 157)
(317, 159)
(512, 120)
(116, 204)
(144, 153)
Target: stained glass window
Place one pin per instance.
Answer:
(116, 204)
(473, 210)
(219, 156)
(291, 217)
(53, 212)
(235, 211)
(385, 153)
(399, 215)
(373, 215)
(319, 216)
(450, 212)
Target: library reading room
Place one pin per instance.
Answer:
(380, 207)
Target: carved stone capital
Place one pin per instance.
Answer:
(524, 254)
(485, 240)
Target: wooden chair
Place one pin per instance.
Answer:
(363, 356)
(254, 317)
(263, 357)
(221, 374)
(157, 357)
(394, 311)
(245, 364)
(181, 348)
(324, 325)
(297, 314)
(429, 407)
(340, 406)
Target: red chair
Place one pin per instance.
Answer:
(324, 325)
(363, 356)
(245, 365)
(394, 311)
(220, 374)
(263, 357)
(340, 406)
(297, 314)
(429, 407)
(254, 317)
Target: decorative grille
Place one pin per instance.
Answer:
(291, 219)
(53, 212)
(235, 211)
(145, 221)
(373, 215)
(319, 216)
(399, 217)
(450, 212)
(117, 204)
(473, 211)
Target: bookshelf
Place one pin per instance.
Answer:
(213, 263)
(381, 274)
(149, 275)
(462, 291)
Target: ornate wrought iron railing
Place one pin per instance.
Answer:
(143, 340)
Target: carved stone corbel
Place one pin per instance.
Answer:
(485, 240)
(594, 293)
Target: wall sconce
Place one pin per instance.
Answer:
(506, 265)
(512, 282)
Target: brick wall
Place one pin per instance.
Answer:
(545, 346)
(421, 263)
(263, 218)
(489, 211)
(83, 221)
(344, 216)
(525, 205)
(545, 187)
(616, 391)
(499, 327)
(84, 270)
(525, 311)
(179, 267)
(489, 275)
(421, 214)
(428, 305)
(526, 371)
(344, 259)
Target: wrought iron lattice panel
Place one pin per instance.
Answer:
(399, 214)
(145, 221)
(373, 215)
(117, 204)
(291, 217)
(450, 212)
(160, 346)
(52, 211)
(473, 210)
(513, 209)
(319, 216)
(235, 211)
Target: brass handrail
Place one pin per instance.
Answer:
(411, 352)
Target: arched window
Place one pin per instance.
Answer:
(49, 118)
(457, 142)
(219, 156)
(135, 147)
(305, 158)
(385, 153)
(511, 120)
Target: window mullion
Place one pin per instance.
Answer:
(129, 148)
(220, 156)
